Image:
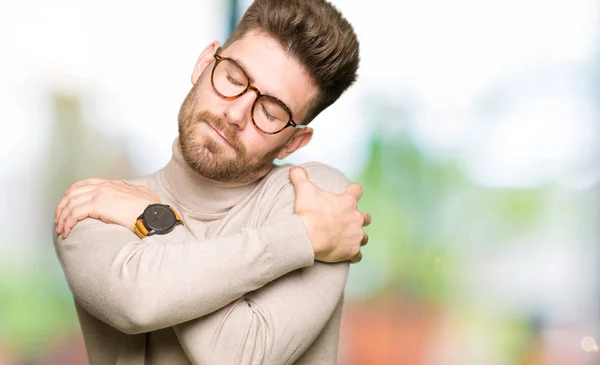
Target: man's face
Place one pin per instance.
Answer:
(217, 136)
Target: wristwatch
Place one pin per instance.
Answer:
(156, 219)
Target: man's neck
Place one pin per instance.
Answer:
(199, 194)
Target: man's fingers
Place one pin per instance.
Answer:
(365, 239)
(355, 190)
(78, 213)
(70, 206)
(71, 220)
(69, 195)
(86, 186)
(367, 217)
(299, 179)
(356, 258)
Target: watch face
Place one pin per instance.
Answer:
(159, 218)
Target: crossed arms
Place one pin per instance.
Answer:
(226, 303)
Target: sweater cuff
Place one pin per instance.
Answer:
(289, 244)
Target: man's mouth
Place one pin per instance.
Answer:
(220, 135)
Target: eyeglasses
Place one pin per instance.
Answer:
(230, 81)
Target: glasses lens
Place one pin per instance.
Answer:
(229, 79)
(269, 115)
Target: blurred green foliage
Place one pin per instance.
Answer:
(404, 190)
(427, 216)
(39, 305)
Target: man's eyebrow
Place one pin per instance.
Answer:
(251, 79)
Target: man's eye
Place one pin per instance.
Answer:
(234, 81)
(268, 115)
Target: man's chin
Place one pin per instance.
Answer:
(212, 154)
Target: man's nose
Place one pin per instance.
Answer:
(238, 111)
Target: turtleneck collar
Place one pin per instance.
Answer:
(193, 191)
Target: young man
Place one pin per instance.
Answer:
(222, 257)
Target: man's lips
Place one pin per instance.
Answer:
(220, 134)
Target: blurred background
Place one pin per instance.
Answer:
(474, 129)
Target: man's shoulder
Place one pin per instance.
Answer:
(325, 177)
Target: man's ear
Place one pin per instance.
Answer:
(204, 60)
(299, 140)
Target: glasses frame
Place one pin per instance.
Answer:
(290, 123)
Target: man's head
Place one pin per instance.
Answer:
(288, 59)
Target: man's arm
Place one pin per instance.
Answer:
(278, 322)
(273, 325)
(142, 285)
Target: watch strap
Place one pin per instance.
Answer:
(177, 217)
(140, 229)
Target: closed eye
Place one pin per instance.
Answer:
(267, 114)
(234, 81)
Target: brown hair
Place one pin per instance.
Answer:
(316, 34)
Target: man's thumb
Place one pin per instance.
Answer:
(299, 179)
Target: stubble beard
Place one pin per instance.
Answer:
(211, 159)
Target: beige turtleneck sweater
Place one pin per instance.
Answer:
(237, 284)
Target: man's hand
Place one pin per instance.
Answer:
(111, 201)
(334, 224)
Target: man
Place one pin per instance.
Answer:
(222, 257)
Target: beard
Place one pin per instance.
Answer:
(210, 158)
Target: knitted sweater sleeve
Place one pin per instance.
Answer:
(139, 286)
(278, 322)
